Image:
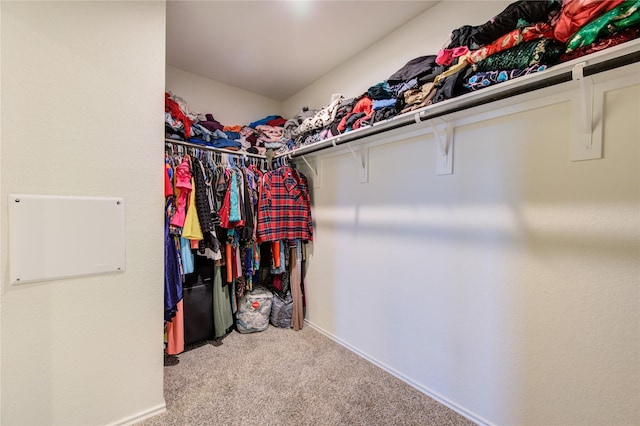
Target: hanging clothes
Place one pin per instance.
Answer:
(297, 320)
(284, 210)
(186, 255)
(172, 276)
(191, 229)
(209, 246)
(175, 332)
(183, 188)
(245, 207)
(222, 315)
(219, 197)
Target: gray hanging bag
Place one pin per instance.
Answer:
(282, 310)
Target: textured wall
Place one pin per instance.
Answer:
(82, 96)
(423, 35)
(229, 105)
(509, 288)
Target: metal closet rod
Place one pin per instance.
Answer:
(410, 119)
(210, 148)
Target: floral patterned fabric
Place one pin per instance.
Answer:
(617, 19)
(512, 39)
(481, 80)
(603, 43)
(544, 51)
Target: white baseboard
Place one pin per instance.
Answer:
(430, 393)
(141, 416)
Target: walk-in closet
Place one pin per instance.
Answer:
(385, 212)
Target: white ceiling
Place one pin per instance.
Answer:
(276, 48)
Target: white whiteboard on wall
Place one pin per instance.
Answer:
(54, 237)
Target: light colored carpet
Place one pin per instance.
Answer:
(283, 377)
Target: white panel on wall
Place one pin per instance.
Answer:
(53, 237)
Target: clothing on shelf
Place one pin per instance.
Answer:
(602, 44)
(516, 15)
(480, 80)
(526, 35)
(524, 55)
(512, 39)
(182, 124)
(617, 19)
(576, 14)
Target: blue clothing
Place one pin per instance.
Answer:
(399, 88)
(172, 277)
(225, 143)
(234, 204)
(263, 121)
(205, 134)
(217, 143)
(383, 103)
(187, 256)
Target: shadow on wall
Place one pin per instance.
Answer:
(509, 287)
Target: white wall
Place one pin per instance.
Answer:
(229, 105)
(82, 92)
(424, 35)
(509, 288)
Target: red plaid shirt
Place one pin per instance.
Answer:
(284, 209)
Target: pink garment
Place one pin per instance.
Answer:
(247, 131)
(183, 188)
(175, 332)
(446, 56)
(577, 13)
(269, 133)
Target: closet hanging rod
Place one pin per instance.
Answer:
(552, 76)
(210, 148)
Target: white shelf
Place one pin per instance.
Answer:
(620, 63)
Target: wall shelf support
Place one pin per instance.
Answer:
(444, 143)
(586, 114)
(362, 160)
(316, 171)
(313, 169)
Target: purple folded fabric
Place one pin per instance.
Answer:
(211, 123)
